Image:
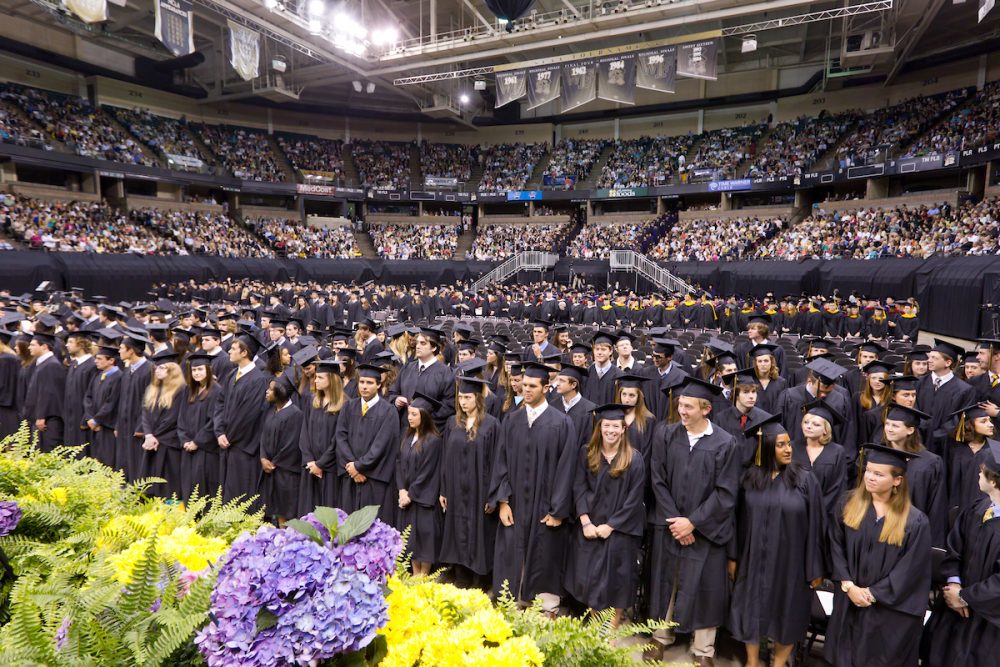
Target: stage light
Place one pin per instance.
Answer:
(370, 88)
(315, 26)
(479, 84)
(316, 8)
(463, 99)
(278, 64)
(749, 44)
(270, 5)
(385, 36)
(357, 86)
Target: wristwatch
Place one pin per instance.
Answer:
(846, 586)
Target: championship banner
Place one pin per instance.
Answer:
(89, 11)
(511, 86)
(616, 78)
(244, 51)
(699, 60)
(174, 25)
(543, 85)
(579, 83)
(656, 69)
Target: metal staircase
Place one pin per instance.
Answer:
(629, 260)
(530, 260)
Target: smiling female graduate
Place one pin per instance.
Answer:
(602, 569)
(776, 559)
(881, 553)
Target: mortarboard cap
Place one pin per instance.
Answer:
(371, 324)
(329, 366)
(909, 416)
(199, 359)
(882, 455)
(763, 348)
(425, 403)
(610, 411)
(471, 366)
(954, 352)
(463, 328)
(903, 382)
(533, 369)
(574, 372)
(822, 409)
(371, 371)
(579, 348)
(918, 353)
(629, 381)
(305, 356)
(46, 338)
(879, 366)
(692, 387)
(166, 356)
(827, 371)
(540, 323)
(470, 385)
(109, 352)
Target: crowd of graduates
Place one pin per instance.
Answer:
(713, 480)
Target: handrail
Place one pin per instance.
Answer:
(629, 260)
(529, 260)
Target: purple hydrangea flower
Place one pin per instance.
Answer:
(62, 633)
(320, 607)
(373, 553)
(10, 515)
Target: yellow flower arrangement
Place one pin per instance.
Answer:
(439, 625)
(183, 545)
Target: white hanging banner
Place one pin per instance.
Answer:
(89, 11)
(244, 51)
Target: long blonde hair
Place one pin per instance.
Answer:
(400, 346)
(642, 413)
(161, 394)
(867, 398)
(622, 460)
(333, 397)
(896, 514)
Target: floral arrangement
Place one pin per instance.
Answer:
(10, 515)
(439, 625)
(303, 595)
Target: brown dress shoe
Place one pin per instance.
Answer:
(706, 661)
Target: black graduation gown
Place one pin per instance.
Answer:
(830, 469)
(604, 573)
(926, 478)
(729, 421)
(23, 380)
(279, 444)
(877, 328)
(974, 557)
(871, 424)
(165, 461)
(533, 472)
(810, 323)
(318, 442)
(437, 381)
(78, 378)
(886, 634)
(128, 448)
(101, 405)
(371, 443)
(642, 442)
(582, 417)
(417, 471)
(963, 474)
(10, 367)
(468, 533)
(951, 397)
(239, 415)
(44, 400)
(853, 326)
(833, 324)
(601, 390)
(657, 400)
(907, 326)
(846, 433)
(199, 468)
(222, 368)
(701, 484)
(778, 551)
(370, 350)
(768, 399)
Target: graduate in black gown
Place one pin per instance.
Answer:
(941, 393)
(821, 382)
(967, 451)
(639, 421)
(10, 367)
(963, 630)
(280, 458)
(602, 374)
(79, 374)
(128, 428)
(195, 429)
(101, 406)
(43, 401)
(417, 483)
(469, 528)
(238, 418)
(319, 486)
(816, 451)
(743, 410)
(695, 471)
(925, 475)
(902, 390)
(427, 375)
(602, 569)
(532, 490)
(881, 552)
(777, 558)
(766, 371)
(568, 400)
(666, 375)
(161, 405)
(367, 444)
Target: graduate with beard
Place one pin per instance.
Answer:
(965, 626)
(777, 558)
(101, 405)
(532, 488)
(695, 475)
(881, 553)
(319, 486)
(367, 444)
(469, 529)
(602, 569)
(280, 458)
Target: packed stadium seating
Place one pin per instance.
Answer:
(402, 241)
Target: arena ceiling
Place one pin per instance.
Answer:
(441, 37)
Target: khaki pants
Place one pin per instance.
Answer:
(703, 641)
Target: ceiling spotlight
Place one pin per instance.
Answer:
(270, 5)
(357, 86)
(315, 26)
(316, 8)
(479, 84)
(370, 88)
(749, 44)
(385, 36)
(463, 99)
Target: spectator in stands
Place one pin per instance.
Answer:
(447, 161)
(721, 152)
(297, 240)
(163, 135)
(715, 239)
(645, 162)
(503, 241)
(793, 147)
(571, 161)
(382, 164)
(596, 241)
(968, 127)
(508, 167)
(398, 241)
(314, 154)
(243, 152)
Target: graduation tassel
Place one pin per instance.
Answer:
(760, 445)
(861, 462)
(960, 431)
(733, 392)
